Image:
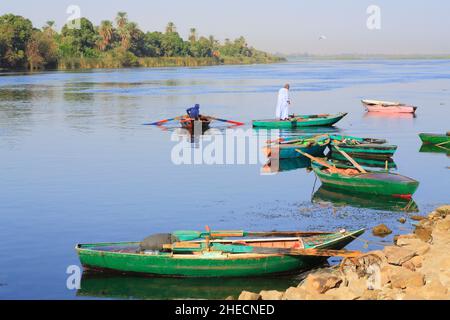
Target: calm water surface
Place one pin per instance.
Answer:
(77, 165)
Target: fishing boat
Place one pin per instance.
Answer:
(388, 106)
(371, 182)
(368, 151)
(300, 121)
(435, 139)
(340, 198)
(190, 124)
(239, 255)
(364, 162)
(315, 146)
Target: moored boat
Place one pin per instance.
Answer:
(238, 257)
(364, 162)
(368, 151)
(435, 139)
(287, 149)
(371, 182)
(190, 124)
(300, 121)
(388, 106)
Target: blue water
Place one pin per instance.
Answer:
(78, 166)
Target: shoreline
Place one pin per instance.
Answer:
(78, 64)
(415, 267)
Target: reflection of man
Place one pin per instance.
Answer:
(283, 103)
(194, 112)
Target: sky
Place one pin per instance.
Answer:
(324, 27)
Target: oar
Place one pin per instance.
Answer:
(319, 161)
(357, 166)
(227, 121)
(158, 123)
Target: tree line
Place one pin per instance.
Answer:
(118, 43)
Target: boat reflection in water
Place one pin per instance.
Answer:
(435, 149)
(282, 165)
(135, 287)
(367, 201)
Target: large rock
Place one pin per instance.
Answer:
(418, 246)
(381, 230)
(423, 233)
(342, 293)
(433, 290)
(414, 263)
(443, 211)
(271, 295)
(359, 286)
(398, 255)
(246, 295)
(322, 282)
(443, 225)
(295, 293)
(407, 279)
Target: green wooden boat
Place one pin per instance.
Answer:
(361, 200)
(372, 182)
(367, 148)
(367, 151)
(338, 138)
(364, 162)
(224, 259)
(287, 150)
(436, 139)
(300, 121)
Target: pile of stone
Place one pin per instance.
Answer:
(416, 267)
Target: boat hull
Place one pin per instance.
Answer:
(300, 121)
(374, 151)
(201, 265)
(375, 183)
(430, 138)
(390, 109)
(289, 151)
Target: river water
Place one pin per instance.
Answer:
(78, 166)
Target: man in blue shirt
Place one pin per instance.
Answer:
(194, 112)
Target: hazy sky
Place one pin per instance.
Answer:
(286, 26)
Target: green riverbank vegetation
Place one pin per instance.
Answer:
(114, 44)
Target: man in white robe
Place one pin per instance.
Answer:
(284, 101)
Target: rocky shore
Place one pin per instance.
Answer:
(415, 267)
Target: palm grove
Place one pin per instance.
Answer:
(113, 45)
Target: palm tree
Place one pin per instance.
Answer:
(170, 27)
(121, 19)
(193, 35)
(128, 33)
(106, 31)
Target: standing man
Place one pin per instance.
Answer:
(283, 104)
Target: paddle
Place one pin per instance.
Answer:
(227, 121)
(357, 166)
(158, 123)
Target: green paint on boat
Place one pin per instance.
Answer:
(371, 151)
(372, 182)
(431, 138)
(300, 121)
(125, 258)
(364, 162)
